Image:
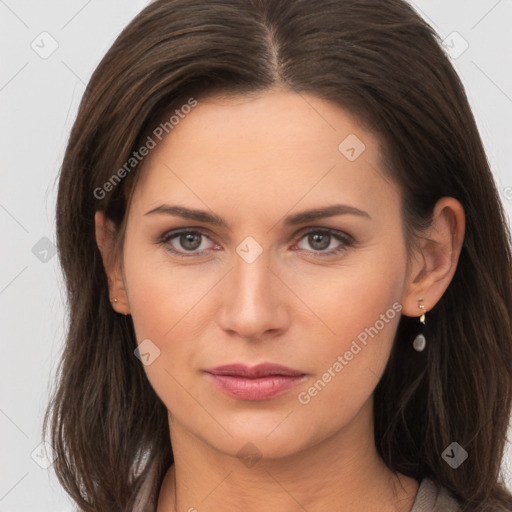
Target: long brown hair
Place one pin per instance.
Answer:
(380, 61)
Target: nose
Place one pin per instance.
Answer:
(253, 301)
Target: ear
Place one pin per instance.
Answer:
(105, 230)
(435, 259)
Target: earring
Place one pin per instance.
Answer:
(420, 341)
(114, 300)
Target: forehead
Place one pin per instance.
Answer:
(272, 148)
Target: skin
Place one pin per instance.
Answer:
(253, 160)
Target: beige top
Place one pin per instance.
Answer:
(434, 498)
(429, 498)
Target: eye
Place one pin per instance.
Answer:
(321, 239)
(185, 241)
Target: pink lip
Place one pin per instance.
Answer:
(261, 382)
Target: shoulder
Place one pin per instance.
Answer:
(432, 497)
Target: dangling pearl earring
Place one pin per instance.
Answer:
(420, 341)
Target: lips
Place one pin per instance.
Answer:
(261, 382)
(260, 370)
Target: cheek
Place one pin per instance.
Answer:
(361, 306)
(364, 301)
(165, 302)
(161, 295)
(162, 307)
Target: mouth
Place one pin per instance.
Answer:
(257, 383)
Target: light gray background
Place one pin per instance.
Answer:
(39, 99)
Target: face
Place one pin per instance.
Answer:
(319, 295)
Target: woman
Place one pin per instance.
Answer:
(288, 269)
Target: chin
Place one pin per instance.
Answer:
(254, 443)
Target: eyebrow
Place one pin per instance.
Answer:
(291, 220)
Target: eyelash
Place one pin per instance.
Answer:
(346, 240)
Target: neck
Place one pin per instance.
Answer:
(343, 471)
